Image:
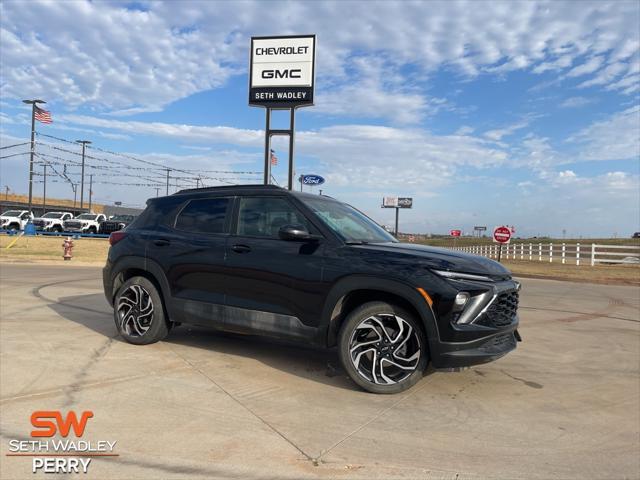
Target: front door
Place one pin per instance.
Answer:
(267, 277)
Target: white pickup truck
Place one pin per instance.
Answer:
(52, 221)
(85, 223)
(15, 219)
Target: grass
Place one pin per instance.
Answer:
(26, 248)
(94, 251)
(614, 274)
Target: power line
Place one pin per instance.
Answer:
(15, 155)
(15, 145)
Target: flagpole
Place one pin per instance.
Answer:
(33, 145)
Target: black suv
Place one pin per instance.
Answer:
(260, 259)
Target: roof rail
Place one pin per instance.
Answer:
(228, 187)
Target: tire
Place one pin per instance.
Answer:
(57, 229)
(13, 227)
(374, 365)
(91, 231)
(139, 297)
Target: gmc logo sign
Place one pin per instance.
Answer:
(292, 73)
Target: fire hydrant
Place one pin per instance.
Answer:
(67, 245)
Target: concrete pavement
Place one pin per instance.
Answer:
(204, 404)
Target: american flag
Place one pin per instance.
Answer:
(274, 159)
(43, 116)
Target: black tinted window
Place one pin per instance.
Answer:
(204, 216)
(263, 216)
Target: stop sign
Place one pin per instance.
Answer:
(501, 234)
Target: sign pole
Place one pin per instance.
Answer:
(291, 145)
(397, 215)
(267, 145)
(499, 252)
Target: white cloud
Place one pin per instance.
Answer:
(103, 55)
(616, 138)
(576, 102)
(497, 134)
(590, 66)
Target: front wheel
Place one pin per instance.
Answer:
(138, 312)
(382, 348)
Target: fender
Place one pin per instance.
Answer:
(346, 285)
(147, 265)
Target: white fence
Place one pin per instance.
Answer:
(565, 253)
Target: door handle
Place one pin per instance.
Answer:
(241, 248)
(161, 242)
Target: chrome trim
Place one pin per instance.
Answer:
(462, 276)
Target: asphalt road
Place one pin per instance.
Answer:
(565, 404)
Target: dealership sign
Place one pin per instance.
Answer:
(502, 234)
(312, 179)
(397, 202)
(282, 71)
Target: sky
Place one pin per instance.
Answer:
(486, 113)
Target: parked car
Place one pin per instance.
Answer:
(52, 221)
(636, 235)
(85, 223)
(15, 219)
(115, 223)
(303, 267)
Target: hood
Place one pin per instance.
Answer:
(442, 258)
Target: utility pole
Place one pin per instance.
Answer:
(157, 191)
(6, 192)
(168, 170)
(75, 189)
(90, 189)
(33, 144)
(84, 144)
(198, 182)
(44, 191)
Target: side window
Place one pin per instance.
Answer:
(263, 216)
(204, 216)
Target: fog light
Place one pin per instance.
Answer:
(461, 300)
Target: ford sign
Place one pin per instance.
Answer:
(312, 180)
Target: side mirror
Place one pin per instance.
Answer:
(295, 233)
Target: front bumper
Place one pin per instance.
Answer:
(491, 333)
(475, 352)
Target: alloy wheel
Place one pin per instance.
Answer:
(135, 311)
(385, 349)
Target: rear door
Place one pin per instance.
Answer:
(191, 252)
(267, 278)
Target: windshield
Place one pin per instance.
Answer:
(86, 216)
(350, 224)
(53, 215)
(122, 218)
(12, 213)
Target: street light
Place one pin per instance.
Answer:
(33, 146)
(84, 144)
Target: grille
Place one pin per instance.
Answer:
(499, 343)
(108, 227)
(502, 311)
(39, 223)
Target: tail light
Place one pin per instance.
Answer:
(115, 237)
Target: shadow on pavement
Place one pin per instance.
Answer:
(311, 363)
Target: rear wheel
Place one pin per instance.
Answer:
(382, 348)
(138, 312)
(92, 230)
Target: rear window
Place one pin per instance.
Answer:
(204, 216)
